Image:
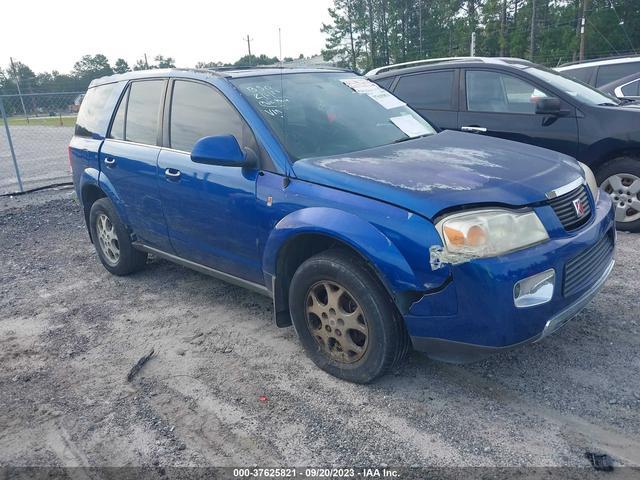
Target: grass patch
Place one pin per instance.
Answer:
(64, 121)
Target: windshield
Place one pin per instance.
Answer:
(574, 88)
(321, 114)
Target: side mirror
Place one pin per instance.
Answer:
(548, 106)
(221, 150)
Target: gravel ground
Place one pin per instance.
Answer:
(41, 153)
(227, 387)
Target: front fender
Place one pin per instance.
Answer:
(363, 237)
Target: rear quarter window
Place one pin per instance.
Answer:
(95, 111)
(385, 82)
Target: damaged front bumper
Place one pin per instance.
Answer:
(474, 315)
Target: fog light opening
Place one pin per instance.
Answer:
(534, 290)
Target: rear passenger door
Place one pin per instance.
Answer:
(432, 94)
(210, 209)
(503, 105)
(128, 160)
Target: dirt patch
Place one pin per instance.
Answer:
(70, 333)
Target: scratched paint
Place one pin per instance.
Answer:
(453, 163)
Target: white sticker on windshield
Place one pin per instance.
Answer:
(360, 85)
(410, 126)
(373, 91)
(387, 100)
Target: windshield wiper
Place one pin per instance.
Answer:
(400, 140)
(608, 104)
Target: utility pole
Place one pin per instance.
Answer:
(583, 22)
(146, 63)
(532, 37)
(16, 75)
(503, 22)
(472, 48)
(249, 44)
(420, 28)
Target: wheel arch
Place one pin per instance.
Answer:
(94, 186)
(307, 232)
(603, 159)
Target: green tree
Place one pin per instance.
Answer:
(252, 61)
(364, 34)
(209, 64)
(141, 64)
(121, 66)
(92, 66)
(164, 62)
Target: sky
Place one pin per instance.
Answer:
(52, 35)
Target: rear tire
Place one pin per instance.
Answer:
(112, 241)
(620, 178)
(345, 319)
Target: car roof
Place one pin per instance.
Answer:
(418, 65)
(596, 63)
(208, 73)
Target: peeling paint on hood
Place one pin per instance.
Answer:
(429, 174)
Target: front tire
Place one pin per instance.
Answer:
(345, 319)
(112, 241)
(620, 178)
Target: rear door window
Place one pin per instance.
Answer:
(92, 117)
(609, 73)
(197, 111)
(432, 90)
(143, 111)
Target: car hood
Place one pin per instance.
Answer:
(446, 170)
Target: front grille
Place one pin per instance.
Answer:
(581, 271)
(566, 210)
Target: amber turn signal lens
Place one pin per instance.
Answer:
(455, 237)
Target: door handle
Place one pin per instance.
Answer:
(172, 173)
(473, 129)
(110, 162)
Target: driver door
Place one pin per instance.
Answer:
(502, 105)
(210, 210)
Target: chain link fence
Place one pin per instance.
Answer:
(35, 130)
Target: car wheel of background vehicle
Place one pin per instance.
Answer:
(345, 318)
(620, 178)
(111, 240)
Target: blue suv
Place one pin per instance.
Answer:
(371, 231)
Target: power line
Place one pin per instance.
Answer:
(621, 23)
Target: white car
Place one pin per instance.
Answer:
(600, 72)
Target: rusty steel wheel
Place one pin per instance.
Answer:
(337, 322)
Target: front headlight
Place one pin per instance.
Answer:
(591, 181)
(487, 233)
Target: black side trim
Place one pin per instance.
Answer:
(459, 352)
(240, 282)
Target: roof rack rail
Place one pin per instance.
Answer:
(277, 65)
(416, 63)
(600, 59)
